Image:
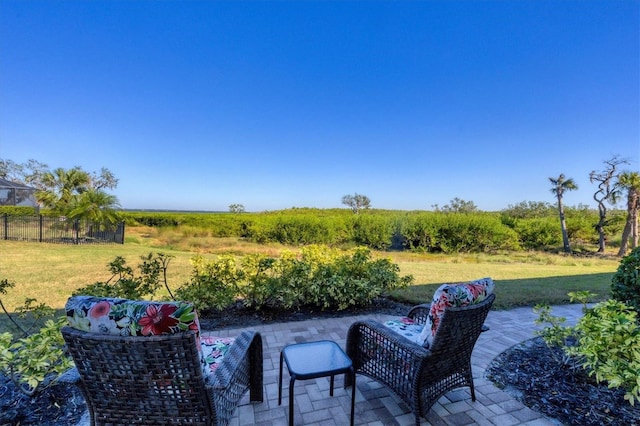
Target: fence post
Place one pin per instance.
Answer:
(6, 226)
(41, 220)
(76, 225)
(122, 233)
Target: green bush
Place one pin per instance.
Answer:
(17, 211)
(213, 284)
(321, 277)
(126, 284)
(352, 280)
(373, 231)
(538, 233)
(605, 342)
(457, 233)
(609, 343)
(625, 284)
(32, 360)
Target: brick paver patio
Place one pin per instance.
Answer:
(377, 406)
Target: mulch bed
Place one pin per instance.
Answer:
(531, 373)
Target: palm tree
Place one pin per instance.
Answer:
(96, 206)
(560, 185)
(59, 186)
(631, 182)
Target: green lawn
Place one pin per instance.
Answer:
(50, 272)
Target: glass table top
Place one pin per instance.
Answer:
(311, 358)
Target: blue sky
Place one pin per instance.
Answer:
(197, 105)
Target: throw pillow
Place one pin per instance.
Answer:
(453, 295)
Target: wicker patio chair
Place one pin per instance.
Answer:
(160, 379)
(420, 375)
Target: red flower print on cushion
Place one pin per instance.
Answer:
(100, 309)
(158, 321)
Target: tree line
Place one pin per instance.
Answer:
(76, 193)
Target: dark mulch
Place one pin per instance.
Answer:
(532, 374)
(528, 371)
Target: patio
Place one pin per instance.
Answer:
(375, 405)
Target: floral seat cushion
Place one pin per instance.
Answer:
(213, 351)
(453, 295)
(123, 317)
(406, 327)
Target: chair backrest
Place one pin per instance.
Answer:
(460, 328)
(124, 317)
(141, 380)
(453, 295)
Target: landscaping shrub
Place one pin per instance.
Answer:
(609, 344)
(606, 342)
(17, 211)
(126, 284)
(625, 284)
(213, 284)
(319, 276)
(32, 359)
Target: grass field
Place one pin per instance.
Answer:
(50, 272)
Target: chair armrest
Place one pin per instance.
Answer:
(369, 343)
(242, 364)
(419, 313)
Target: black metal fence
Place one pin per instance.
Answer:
(60, 230)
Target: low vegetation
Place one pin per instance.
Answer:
(605, 342)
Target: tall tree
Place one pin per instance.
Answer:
(59, 186)
(560, 185)
(458, 205)
(29, 173)
(608, 191)
(630, 181)
(357, 202)
(94, 205)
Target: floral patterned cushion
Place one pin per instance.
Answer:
(213, 351)
(130, 317)
(407, 328)
(454, 295)
(125, 317)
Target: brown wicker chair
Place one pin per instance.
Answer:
(418, 375)
(157, 380)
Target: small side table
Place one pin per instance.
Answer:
(312, 360)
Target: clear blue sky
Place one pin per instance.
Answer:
(201, 104)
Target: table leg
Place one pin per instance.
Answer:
(353, 393)
(331, 386)
(280, 382)
(291, 387)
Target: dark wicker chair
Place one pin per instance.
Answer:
(157, 380)
(418, 375)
